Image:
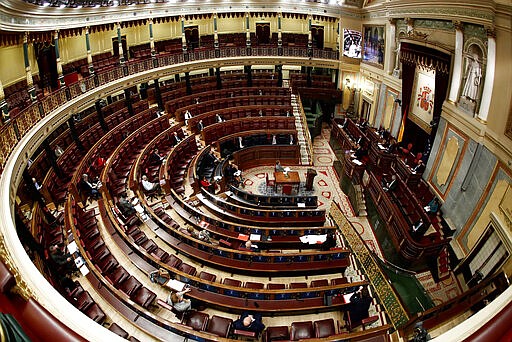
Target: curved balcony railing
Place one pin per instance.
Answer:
(14, 129)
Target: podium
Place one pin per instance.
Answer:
(310, 176)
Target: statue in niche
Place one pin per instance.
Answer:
(473, 75)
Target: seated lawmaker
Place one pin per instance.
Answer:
(88, 187)
(179, 303)
(249, 322)
(150, 186)
(433, 206)
(279, 167)
(360, 302)
(125, 205)
(205, 183)
(390, 186)
(155, 158)
(62, 259)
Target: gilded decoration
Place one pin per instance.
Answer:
(21, 287)
(443, 25)
(442, 11)
(477, 31)
(508, 129)
(385, 292)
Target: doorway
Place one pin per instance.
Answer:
(192, 36)
(263, 33)
(317, 34)
(115, 47)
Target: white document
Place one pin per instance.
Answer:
(72, 247)
(255, 237)
(175, 285)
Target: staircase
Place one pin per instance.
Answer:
(302, 136)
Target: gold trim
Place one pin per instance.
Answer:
(481, 120)
(396, 312)
(21, 286)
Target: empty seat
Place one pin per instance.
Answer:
(232, 282)
(174, 261)
(118, 330)
(196, 320)
(83, 300)
(143, 297)
(219, 326)
(320, 282)
(324, 328)
(301, 330)
(130, 286)
(117, 276)
(276, 333)
(338, 281)
(298, 285)
(186, 268)
(207, 276)
(107, 263)
(95, 313)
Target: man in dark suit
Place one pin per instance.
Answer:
(249, 322)
(391, 186)
(359, 304)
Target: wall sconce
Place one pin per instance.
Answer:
(397, 100)
(347, 83)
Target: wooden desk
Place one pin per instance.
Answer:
(292, 179)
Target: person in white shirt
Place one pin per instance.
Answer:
(187, 116)
(36, 184)
(149, 186)
(219, 118)
(58, 151)
(176, 137)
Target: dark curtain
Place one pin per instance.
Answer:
(47, 64)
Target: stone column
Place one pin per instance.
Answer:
(183, 39)
(187, 83)
(339, 38)
(89, 54)
(485, 103)
(158, 95)
(152, 44)
(247, 34)
(74, 134)
(120, 44)
(279, 35)
(218, 78)
(216, 44)
(30, 81)
(101, 117)
(248, 71)
(310, 38)
(4, 108)
(390, 60)
(62, 83)
(457, 62)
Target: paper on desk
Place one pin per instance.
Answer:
(243, 237)
(175, 285)
(84, 270)
(313, 239)
(301, 205)
(72, 247)
(255, 237)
